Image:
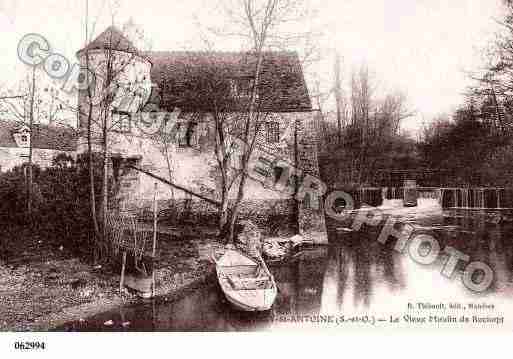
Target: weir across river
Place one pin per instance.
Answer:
(453, 197)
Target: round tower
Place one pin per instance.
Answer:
(120, 83)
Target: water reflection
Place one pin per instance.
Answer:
(365, 277)
(484, 241)
(354, 274)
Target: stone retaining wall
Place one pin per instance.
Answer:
(272, 216)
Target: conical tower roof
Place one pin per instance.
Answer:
(112, 39)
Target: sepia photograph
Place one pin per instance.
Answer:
(281, 166)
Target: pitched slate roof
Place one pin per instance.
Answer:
(6, 130)
(281, 79)
(44, 136)
(113, 39)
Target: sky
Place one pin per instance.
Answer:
(423, 48)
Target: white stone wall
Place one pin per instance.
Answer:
(130, 84)
(11, 157)
(195, 167)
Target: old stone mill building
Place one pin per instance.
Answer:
(289, 132)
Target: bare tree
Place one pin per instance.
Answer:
(112, 89)
(32, 103)
(90, 156)
(238, 110)
(338, 97)
(264, 24)
(495, 83)
(373, 127)
(361, 99)
(212, 95)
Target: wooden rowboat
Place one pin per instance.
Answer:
(246, 283)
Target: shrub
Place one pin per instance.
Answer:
(60, 203)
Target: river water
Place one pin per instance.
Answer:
(356, 283)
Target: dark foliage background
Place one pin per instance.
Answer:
(61, 210)
(472, 145)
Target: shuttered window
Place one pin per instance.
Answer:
(273, 132)
(121, 122)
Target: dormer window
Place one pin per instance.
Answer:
(22, 137)
(241, 87)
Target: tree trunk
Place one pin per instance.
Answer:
(169, 168)
(223, 217)
(235, 208)
(338, 97)
(248, 148)
(31, 129)
(106, 112)
(105, 181)
(90, 159)
(92, 192)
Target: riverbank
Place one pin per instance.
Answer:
(45, 286)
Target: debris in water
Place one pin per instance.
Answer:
(108, 323)
(125, 324)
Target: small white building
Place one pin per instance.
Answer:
(47, 143)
